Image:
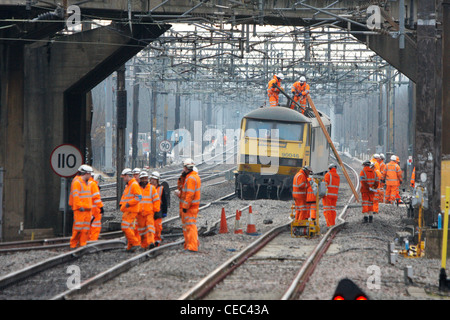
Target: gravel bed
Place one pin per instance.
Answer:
(357, 250)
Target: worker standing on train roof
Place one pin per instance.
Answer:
(80, 199)
(189, 196)
(129, 205)
(148, 207)
(369, 185)
(97, 208)
(392, 175)
(300, 90)
(272, 91)
(332, 181)
(162, 213)
(382, 184)
(376, 168)
(299, 193)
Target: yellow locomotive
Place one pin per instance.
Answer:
(275, 142)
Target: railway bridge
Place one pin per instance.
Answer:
(47, 73)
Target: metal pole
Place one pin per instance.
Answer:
(1, 204)
(121, 128)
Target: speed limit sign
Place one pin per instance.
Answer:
(165, 146)
(65, 160)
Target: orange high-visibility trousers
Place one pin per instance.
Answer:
(311, 207)
(146, 229)
(190, 232)
(367, 201)
(158, 230)
(301, 208)
(391, 192)
(329, 210)
(96, 225)
(80, 229)
(128, 228)
(273, 100)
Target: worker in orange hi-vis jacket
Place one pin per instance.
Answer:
(369, 185)
(398, 199)
(300, 90)
(299, 193)
(413, 178)
(311, 197)
(272, 91)
(376, 167)
(332, 181)
(130, 205)
(162, 213)
(149, 204)
(382, 184)
(80, 199)
(97, 209)
(392, 175)
(189, 203)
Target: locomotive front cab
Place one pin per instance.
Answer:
(274, 145)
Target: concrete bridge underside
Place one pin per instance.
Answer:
(44, 83)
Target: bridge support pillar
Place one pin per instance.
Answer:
(43, 104)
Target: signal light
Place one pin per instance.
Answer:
(348, 290)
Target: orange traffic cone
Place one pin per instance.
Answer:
(223, 222)
(237, 224)
(251, 228)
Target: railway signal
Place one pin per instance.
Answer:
(348, 290)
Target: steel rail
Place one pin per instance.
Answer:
(297, 286)
(116, 270)
(26, 272)
(207, 284)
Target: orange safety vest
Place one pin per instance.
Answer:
(368, 179)
(310, 195)
(300, 184)
(96, 199)
(271, 90)
(150, 202)
(332, 181)
(392, 174)
(80, 195)
(413, 177)
(299, 89)
(131, 195)
(190, 193)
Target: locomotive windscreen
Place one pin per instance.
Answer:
(269, 129)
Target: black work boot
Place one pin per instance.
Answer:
(366, 219)
(370, 219)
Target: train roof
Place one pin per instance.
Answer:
(277, 114)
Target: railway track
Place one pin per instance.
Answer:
(274, 257)
(99, 260)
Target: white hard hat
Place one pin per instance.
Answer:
(188, 163)
(155, 175)
(376, 156)
(136, 170)
(195, 169)
(84, 168)
(332, 165)
(280, 76)
(382, 156)
(302, 79)
(143, 174)
(126, 171)
(393, 158)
